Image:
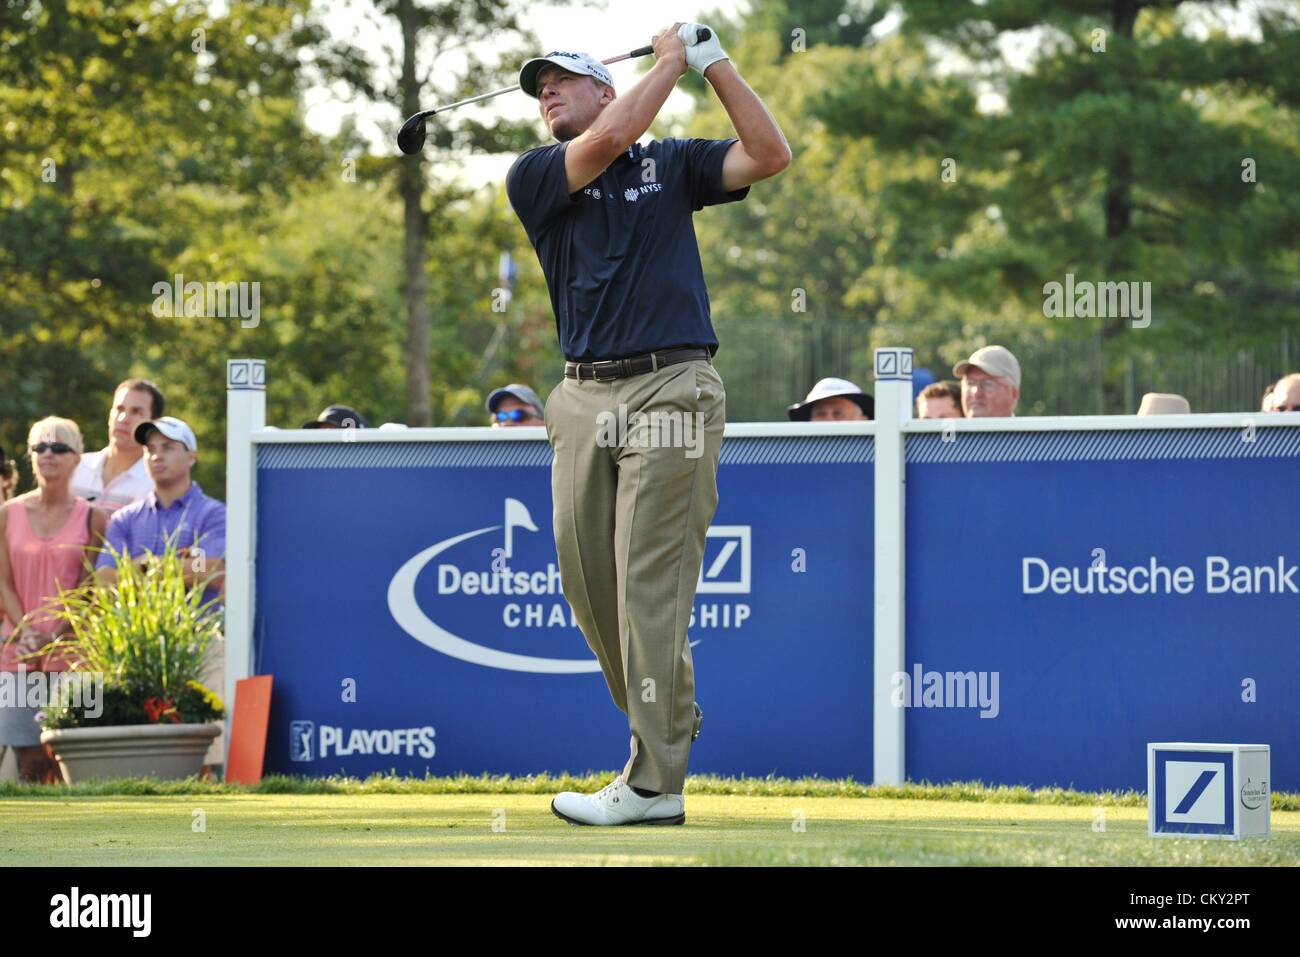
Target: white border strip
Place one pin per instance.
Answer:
(533, 433)
(1106, 423)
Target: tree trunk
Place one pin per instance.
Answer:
(416, 219)
(1119, 219)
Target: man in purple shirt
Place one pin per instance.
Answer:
(176, 510)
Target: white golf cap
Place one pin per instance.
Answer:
(573, 62)
(171, 427)
(829, 389)
(1164, 403)
(995, 360)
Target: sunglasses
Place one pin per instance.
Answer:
(58, 448)
(1286, 408)
(514, 415)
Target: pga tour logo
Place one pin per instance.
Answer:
(341, 742)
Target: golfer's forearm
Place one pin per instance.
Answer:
(626, 119)
(761, 138)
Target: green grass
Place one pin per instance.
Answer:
(395, 821)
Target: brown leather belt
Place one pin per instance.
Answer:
(605, 370)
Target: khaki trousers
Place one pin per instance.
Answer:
(634, 489)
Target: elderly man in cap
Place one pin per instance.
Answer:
(990, 383)
(515, 404)
(611, 222)
(833, 400)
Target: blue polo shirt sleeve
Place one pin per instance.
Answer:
(116, 537)
(703, 160)
(538, 187)
(211, 533)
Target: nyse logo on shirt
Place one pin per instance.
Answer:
(630, 194)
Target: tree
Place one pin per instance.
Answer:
(130, 128)
(443, 37)
(1129, 145)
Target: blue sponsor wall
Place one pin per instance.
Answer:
(372, 559)
(1087, 680)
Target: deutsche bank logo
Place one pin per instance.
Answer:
(1193, 792)
(725, 570)
(301, 735)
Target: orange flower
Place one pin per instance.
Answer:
(158, 708)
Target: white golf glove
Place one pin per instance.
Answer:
(701, 56)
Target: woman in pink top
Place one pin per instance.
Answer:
(45, 541)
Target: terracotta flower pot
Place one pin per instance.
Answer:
(167, 752)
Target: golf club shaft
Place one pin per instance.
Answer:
(640, 51)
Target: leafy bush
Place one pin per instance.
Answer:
(147, 637)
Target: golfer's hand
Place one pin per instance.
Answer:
(700, 56)
(668, 46)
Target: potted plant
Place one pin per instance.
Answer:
(145, 639)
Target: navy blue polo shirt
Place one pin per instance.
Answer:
(619, 255)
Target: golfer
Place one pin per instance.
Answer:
(636, 423)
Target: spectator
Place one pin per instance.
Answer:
(8, 477)
(940, 400)
(45, 540)
(1266, 403)
(1163, 403)
(176, 511)
(1286, 394)
(990, 383)
(337, 417)
(833, 400)
(515, 405)
(116, 475)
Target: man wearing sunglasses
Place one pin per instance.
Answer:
(513, 405)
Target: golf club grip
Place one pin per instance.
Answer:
(701, 35)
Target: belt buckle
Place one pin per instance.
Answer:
(616, 365)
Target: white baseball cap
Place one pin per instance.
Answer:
(171, 427)
(582, 63)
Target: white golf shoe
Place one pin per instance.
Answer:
(616, 803)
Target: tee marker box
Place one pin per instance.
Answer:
(1208, 790)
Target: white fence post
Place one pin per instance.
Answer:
(245, 414)
(893, 409)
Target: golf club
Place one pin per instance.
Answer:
(410, 138)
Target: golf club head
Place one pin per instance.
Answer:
(410, 138)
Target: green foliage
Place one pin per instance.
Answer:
(128, 156)
(1119, 163)
(967, 792)
(147, 636)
